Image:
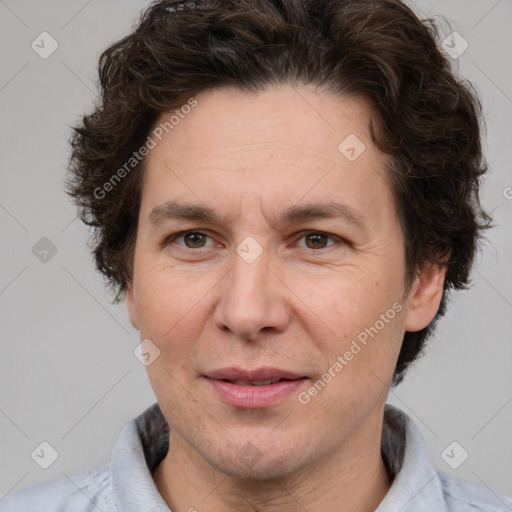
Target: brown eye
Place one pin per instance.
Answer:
(191, 239)
(316, 240)
(194, 239)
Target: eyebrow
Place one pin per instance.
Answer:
(172, 210)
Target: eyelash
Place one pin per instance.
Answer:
(303, 234)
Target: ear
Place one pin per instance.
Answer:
(131, 304)
(424, 298)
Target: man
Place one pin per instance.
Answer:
(284, 194)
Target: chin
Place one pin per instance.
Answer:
(272, 470)
(247, 462)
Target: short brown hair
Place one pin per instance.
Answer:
(423, 117)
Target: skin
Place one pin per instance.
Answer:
(298, 306)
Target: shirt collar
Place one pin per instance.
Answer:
(416, 485)
(144, 442)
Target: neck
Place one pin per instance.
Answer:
(353, 479)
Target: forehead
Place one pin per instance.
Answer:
(273, 146)
(228, 117)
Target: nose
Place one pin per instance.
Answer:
(253, 299)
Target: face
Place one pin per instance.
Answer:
(266, 252)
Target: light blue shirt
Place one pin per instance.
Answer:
(125, 484)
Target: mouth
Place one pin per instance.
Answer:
(256, 376)
(254, 389)
(257, 382)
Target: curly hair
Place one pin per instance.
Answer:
(423, 117)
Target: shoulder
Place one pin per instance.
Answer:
(462, 496)
(83, 492)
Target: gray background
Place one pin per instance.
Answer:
(68, 375)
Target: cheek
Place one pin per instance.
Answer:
(166, 297)
(173, 309)
(348, 300)
(358, 322)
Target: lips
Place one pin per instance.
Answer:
(254, 382)
(254, 389)
(259, 377)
